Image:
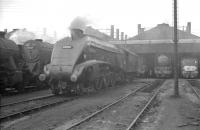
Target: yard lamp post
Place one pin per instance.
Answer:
(176, 88)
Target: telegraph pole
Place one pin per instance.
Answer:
(176, 88)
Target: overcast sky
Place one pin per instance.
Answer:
(56, 15)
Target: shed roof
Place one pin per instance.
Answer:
(163, 31)
(160, 46)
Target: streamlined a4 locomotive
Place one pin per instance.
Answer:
(85, 63)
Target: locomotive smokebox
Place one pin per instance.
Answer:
(76, 34)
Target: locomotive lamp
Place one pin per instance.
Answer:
(73, 78)
(42, 77)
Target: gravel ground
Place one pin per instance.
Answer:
(119, 116)
(172, 113)
(70, 112)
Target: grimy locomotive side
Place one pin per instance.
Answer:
(21, 65)
(10, 74)
(86, 63)
(35, 55)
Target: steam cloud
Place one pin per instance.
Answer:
(21, 36)
(79, 23)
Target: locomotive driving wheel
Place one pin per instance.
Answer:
(98, 84)
(79, 88)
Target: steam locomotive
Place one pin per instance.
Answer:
(35, 55)
(163, 66)
(10, 74)
(86, 63)
(21, 65)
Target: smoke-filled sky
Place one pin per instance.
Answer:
(56, 15)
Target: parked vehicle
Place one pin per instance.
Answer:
(189, 67)
(163, 66)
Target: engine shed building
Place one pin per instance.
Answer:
(159, 40)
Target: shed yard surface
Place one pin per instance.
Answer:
(182, 113)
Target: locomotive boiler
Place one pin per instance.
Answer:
(86, 63)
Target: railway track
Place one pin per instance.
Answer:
(142, 112)
(196, 89)
(28, 100)
(22, 108)
(73, 126)
(28, 89)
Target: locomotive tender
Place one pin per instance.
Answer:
(86, 63)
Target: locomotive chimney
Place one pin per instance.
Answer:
(5, 30)
(112, 31)
(117, 34)
(39, 40)
(188, 28)
(76, 33)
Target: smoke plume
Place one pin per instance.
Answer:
(79, 23)
(21, 36)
